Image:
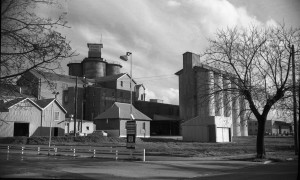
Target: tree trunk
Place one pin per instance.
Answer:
(260, 143)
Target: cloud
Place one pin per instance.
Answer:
(173, 3)
(156, 32)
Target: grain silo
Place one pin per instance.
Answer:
(113, 69)
(94, 66)
(75, 69)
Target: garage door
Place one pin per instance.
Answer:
(223, 134)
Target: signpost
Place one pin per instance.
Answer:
(131, 134)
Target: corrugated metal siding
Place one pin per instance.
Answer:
(48, 117)
(22, 112)
(195, 133)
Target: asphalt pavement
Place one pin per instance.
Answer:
(67, 167)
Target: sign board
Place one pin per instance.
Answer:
(131, 127)
(130, 141)
(131, 133)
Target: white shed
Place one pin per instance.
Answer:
(209, 129)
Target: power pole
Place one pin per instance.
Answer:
(75, 116)
(294, 102)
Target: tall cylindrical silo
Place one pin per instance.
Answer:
(236, 121)
(219, 94)
(211, 89)
(75, 69)
(113, 69)
(94, 68)
(226, 96)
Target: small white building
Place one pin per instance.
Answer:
(113, 121)
(209, 129)
(88, 127)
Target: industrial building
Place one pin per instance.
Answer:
(165, 117)
(272, 127)
(209, 114)
(25, 117)
(97, 83)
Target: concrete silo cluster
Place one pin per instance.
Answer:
(94, 66)
(210, 114)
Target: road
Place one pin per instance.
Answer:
(62, 167)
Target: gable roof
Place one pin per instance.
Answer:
(5, 106)
(140, 85)
(122, 111)
(44, 103)
(10, 91)
(112, 78)
(56, 77)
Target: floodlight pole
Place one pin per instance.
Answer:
(130, 85)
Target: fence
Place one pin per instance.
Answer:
(100, 152)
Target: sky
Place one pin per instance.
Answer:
(158, 32)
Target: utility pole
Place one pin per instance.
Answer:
(295, 102)
(75, 107)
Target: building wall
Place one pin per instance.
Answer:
(271, 128)
(198, 97)
(100, 99)
(69, 101)
(22, 112)
(87, 127)
(124, 83)
(48, 120)
(142, 128)
(140, 93)
(187, 90)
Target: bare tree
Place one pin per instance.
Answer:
(28, 41)
(260, 60)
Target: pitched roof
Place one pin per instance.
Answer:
(112, 78)
(122, 111)
(5, 106)
(9, 91)
(56, 77)
(109, 78)
(43, 103)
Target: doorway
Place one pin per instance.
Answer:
(55, 131)
(21, 129)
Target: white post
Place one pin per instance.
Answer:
(144, 155)
(94, 153)
(74, 152)
(116, 154)
(39, 150)
(22, 150)
(7, 149)
(55, 151)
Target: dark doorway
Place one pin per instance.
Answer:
(55, 131)
(164, 128)
(21, 129)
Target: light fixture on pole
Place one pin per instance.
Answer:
(125, 58)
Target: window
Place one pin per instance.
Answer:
(121, 83)
(144, 125)
(64, 86)
(87, 128)
(66, 98)
(56, 116)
